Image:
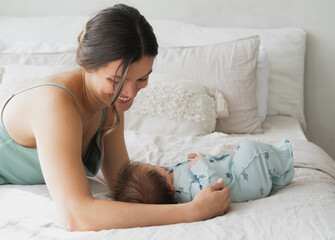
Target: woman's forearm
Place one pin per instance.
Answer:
(96, 214)
(105, 214)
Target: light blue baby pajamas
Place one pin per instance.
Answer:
(251, 173)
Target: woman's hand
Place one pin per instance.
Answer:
(212, 201)
(194, 158)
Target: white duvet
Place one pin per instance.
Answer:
(305, 209)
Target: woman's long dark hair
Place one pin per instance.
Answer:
(116, 33)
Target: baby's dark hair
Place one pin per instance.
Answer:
(140, 185)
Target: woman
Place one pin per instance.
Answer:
(71, 123)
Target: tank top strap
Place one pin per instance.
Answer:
(104, 111)
(48, 84)
(34, 86)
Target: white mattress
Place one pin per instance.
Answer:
(305, 209)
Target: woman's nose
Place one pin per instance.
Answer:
(129, 89)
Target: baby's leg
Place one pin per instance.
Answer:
(281, 163)
(253, 180)
(278, 159)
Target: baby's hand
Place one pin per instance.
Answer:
(194, 158)
(191, 156)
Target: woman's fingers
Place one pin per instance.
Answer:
(219, 188)
(218, 185)
(213, 200)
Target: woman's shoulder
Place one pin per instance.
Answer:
(65, 86)
(53, 95)
(71, 79)
(40, 105)
(57, 89)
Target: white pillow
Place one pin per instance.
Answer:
(285, 48)
(229, 67)
(57, 29)
(40, 40)
(39, 53)
(42, 59)
(24, 46)
(172, 107)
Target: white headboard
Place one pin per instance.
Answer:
(316, 18)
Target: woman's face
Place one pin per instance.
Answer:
(136, 79)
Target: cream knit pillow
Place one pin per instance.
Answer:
(176, 107)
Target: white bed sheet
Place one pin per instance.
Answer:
(305, 209)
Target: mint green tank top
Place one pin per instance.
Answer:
(20, 165)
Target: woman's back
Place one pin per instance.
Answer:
(22, 109)
(18, 142)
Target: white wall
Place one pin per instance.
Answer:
(316, 17)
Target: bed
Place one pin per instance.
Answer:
(268, 63)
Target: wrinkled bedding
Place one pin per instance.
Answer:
(305, 209)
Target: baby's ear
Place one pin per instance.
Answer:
(171, 189)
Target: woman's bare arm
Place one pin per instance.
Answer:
(115, 152)
(103, 214)
(58, 132)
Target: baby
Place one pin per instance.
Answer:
(251, 173)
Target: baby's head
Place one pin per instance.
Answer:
(144, 183)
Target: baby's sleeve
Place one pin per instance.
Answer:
(204, 172)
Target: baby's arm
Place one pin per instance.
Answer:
(202, 169)
(194, 158)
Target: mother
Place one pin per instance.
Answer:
(70, 124)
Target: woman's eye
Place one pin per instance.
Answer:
(143, 79)
(112, 80)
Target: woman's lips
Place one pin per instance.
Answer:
(123, 99)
